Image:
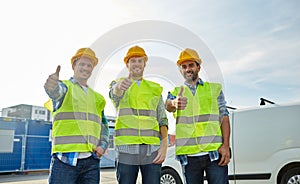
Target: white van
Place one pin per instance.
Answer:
(265, 143)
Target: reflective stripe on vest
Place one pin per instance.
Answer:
(198, 125)
(199, 140)
(136, 122)
(135, 132)
(136, 112)
(76, 140)
(77, 116)
(200, 118)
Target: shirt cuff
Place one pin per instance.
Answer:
(103, 144)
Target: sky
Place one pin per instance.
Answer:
(250, 46)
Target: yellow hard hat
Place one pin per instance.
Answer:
(87, 52)
(135, 51)
(188, 55)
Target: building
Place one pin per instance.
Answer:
(24, 111)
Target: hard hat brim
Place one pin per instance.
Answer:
(126, 59)
(94, 59)
(180, 61)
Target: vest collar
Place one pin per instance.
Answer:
(74, 81)
(198, 82)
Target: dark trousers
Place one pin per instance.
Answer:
(87, 171)
(196, 166)
(129, 165)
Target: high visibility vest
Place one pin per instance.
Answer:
(77, 123)
(136, 122)
(198, 127)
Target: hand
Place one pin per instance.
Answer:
(180, 102)
(99, 151)
(225, 153)
(52, 80)
(125, 84)
(161, 154)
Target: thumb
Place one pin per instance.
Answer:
(130, 75)
(181, 90)
(57, 71)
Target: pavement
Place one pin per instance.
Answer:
(108, 176)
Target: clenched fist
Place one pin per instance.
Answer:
(125, 84)
(52, 80)
(180, 101)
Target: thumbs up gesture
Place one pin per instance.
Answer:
(180, 101)
(125, 84)
(52, 80)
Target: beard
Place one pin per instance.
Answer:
(190, 76)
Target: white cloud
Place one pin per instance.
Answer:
(248, 62)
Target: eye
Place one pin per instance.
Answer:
(132, 60)
(191, 65)
(183, 66)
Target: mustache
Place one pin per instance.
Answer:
(190, 72)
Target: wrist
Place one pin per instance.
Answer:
(226, 145)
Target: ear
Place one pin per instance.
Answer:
(180, 70)
(73, 65)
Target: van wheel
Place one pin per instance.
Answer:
(169, 176)
(291, 176)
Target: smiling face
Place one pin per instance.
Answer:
(190, 70)
(83, 69)
(136, 66)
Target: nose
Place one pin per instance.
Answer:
(188, 68)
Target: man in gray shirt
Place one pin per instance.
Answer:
(141, 126)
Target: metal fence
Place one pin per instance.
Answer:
(25, 145)
(29, 142)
